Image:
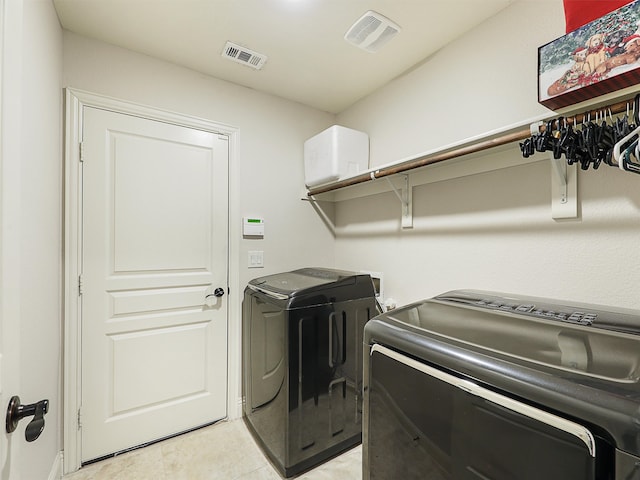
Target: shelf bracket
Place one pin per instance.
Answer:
(564, 189)
(560, 167)
(405, 195)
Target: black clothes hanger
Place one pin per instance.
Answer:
(592, 142)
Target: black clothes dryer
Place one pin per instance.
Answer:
(302, 363)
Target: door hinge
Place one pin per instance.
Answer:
(82, 151)
(79, 419)
(80, 285)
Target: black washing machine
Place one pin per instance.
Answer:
(302, 363)
(481, 385)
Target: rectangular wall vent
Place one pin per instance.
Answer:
(244, 56)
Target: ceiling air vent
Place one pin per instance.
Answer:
(371, 31)
(244, 56)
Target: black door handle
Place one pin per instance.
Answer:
(17, 411)
(209, 299)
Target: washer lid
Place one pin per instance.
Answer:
(288, 283)
(315, 286)
(577, 339)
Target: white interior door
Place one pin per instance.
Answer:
(155, 238)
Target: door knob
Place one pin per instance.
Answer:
(218, 292)
(209, 299)
(17, 411)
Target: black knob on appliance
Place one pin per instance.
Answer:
(218, 292)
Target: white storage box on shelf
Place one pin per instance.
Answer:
(334, 154)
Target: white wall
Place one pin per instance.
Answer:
(490, 231)
(484, 81)
(31, 255)
(41, 263)
(267, 172)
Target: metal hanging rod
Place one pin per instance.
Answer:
(430, 159)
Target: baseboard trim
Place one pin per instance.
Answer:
(56, 468)
(237, 410)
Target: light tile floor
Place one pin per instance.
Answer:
(224, 451)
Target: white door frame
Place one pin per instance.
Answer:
(75, 100)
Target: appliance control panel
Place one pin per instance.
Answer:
(579, 317)
(583, 314)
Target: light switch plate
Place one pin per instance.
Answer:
(256, 259)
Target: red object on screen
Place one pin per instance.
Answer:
(580, 12)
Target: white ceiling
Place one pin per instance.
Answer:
(308, 59)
